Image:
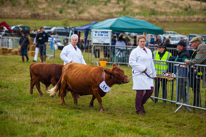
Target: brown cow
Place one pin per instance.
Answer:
(45, 73)
(85, 80)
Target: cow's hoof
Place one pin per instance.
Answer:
(75, 103)
(91, 106)
(31, 93)
(41, 95)
(101, 110)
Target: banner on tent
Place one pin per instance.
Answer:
(101, 36)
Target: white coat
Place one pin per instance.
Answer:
(139, 60)
(69, 54)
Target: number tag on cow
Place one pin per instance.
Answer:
(104, 87)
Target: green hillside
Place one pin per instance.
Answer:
(151, 10)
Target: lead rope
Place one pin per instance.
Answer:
(145, 74)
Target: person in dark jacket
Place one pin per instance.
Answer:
(24, 42)
(194, 82)
(158, 40)
(151, 40)
(42, 39)
(182, 79)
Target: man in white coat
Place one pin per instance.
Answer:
(141, 61)
(72, 53)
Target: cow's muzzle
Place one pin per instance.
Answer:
(127, 80)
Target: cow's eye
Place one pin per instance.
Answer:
(117, 75)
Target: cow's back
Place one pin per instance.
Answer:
(44, 72)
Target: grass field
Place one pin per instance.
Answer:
(22, 114)
(184, 28)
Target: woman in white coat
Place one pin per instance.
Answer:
(72, 53)
(141, 61)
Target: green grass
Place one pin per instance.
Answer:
(22, 114)
(184, 28)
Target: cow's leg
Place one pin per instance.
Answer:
(92, 102)
(37, 83)
(96, 94)
(31, 86)
(74, 98)
(62, 91)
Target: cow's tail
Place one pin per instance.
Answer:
(54, 90)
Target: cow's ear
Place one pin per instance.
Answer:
(114, 65)
(108, 71)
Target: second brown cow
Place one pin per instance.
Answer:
(45, 73)
(88, 80)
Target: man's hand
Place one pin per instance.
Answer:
(40, 38)
(45, 43)
(186, 61)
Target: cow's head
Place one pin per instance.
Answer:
(117, 74)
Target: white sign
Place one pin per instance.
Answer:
(104, 87)
(101, 36)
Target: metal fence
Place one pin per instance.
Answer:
(180, 84)
(9, 42)
(111, 54)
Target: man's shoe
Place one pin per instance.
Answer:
(34, 60)
(140, 112)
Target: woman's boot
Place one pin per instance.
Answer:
(27, 58)
(22, 59)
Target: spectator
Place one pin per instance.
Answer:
(161, 67)
(194, 83)
(34, 31)
(141, 61)
(36, 49)
(120, 46)
(72, 52)
(158, 40)
(114, 40)
(182, 55)
(200, 57)
(135, 40)
(168, 40)
(185, 39)
(151, 40)
(24, 42)
(42, 39)
(127, 40)
(113, 44)
(19, 32)
(181, 38)
(164, 40)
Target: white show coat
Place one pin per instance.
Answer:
(69, 54)
(139, 60)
